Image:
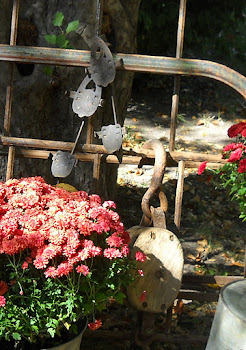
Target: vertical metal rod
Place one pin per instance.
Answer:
(9, 92)
(244, 272)
(96, 172)
(78, 135)
(179, 52)
(90, 130)
(179, 194)
(10, 165)
(99, 13)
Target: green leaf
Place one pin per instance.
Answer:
(48, 70)
(72, 26)
(58, 19)
(16, 336)
(50, 38)
(120, 297)
(62, 41)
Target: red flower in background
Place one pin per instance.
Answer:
(242, 166)
(95, 325)
(201, 168)
(143, 296)
(3, 288)
(2, 301)
(140, 256)
(237, 129)
(235, 155)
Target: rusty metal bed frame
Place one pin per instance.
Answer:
(34, 148)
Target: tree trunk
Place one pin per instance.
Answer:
(41, 104)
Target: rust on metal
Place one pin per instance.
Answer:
(10, 164)
(146, 156)
(156, 181)
(131, 62)
(179, 194)
(177, 78)
(9, 91)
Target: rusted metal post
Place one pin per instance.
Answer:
(96, 172)
(179, 194)
(177, 78)
(10, 165)
(131, 62)
(9, 92)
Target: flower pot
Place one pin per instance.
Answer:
(228, 328)
(73, 344)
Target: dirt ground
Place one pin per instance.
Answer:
(212, 236)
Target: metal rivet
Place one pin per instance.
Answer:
(152, 235)
(163, 307)
(158, 274)
(171, 237)
(144, 305)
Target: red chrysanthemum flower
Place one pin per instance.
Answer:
(140, 256)
(2, 301)
(112, 253)
(115, 240)
(3, 288)
(201, 168)
(25, 265)
(95, 325)
(83, 269)
(235, 155)
(237, 129)
(232, 147)
(242, 166)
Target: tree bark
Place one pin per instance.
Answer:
(41, 104)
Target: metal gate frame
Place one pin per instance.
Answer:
(93, 153)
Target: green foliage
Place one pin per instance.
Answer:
(60, 40)
(40, 306)
(236, 183)
(72, 26)
(214, 30)
(58, 19)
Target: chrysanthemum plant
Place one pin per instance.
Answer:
(62, 256)
(233, 173)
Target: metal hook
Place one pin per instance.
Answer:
(156, 181)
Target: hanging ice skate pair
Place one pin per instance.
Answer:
(86, 101)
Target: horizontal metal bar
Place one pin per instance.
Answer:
(207, 279)
(131, 62)
(192, 159)
(196, 295)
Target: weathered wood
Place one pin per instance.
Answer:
(163, 269)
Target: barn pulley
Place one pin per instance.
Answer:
(157, 288)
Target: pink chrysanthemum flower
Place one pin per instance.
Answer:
(140, 256)
(2, 301)
(95, 325)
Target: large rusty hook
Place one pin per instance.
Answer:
(156, 181)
